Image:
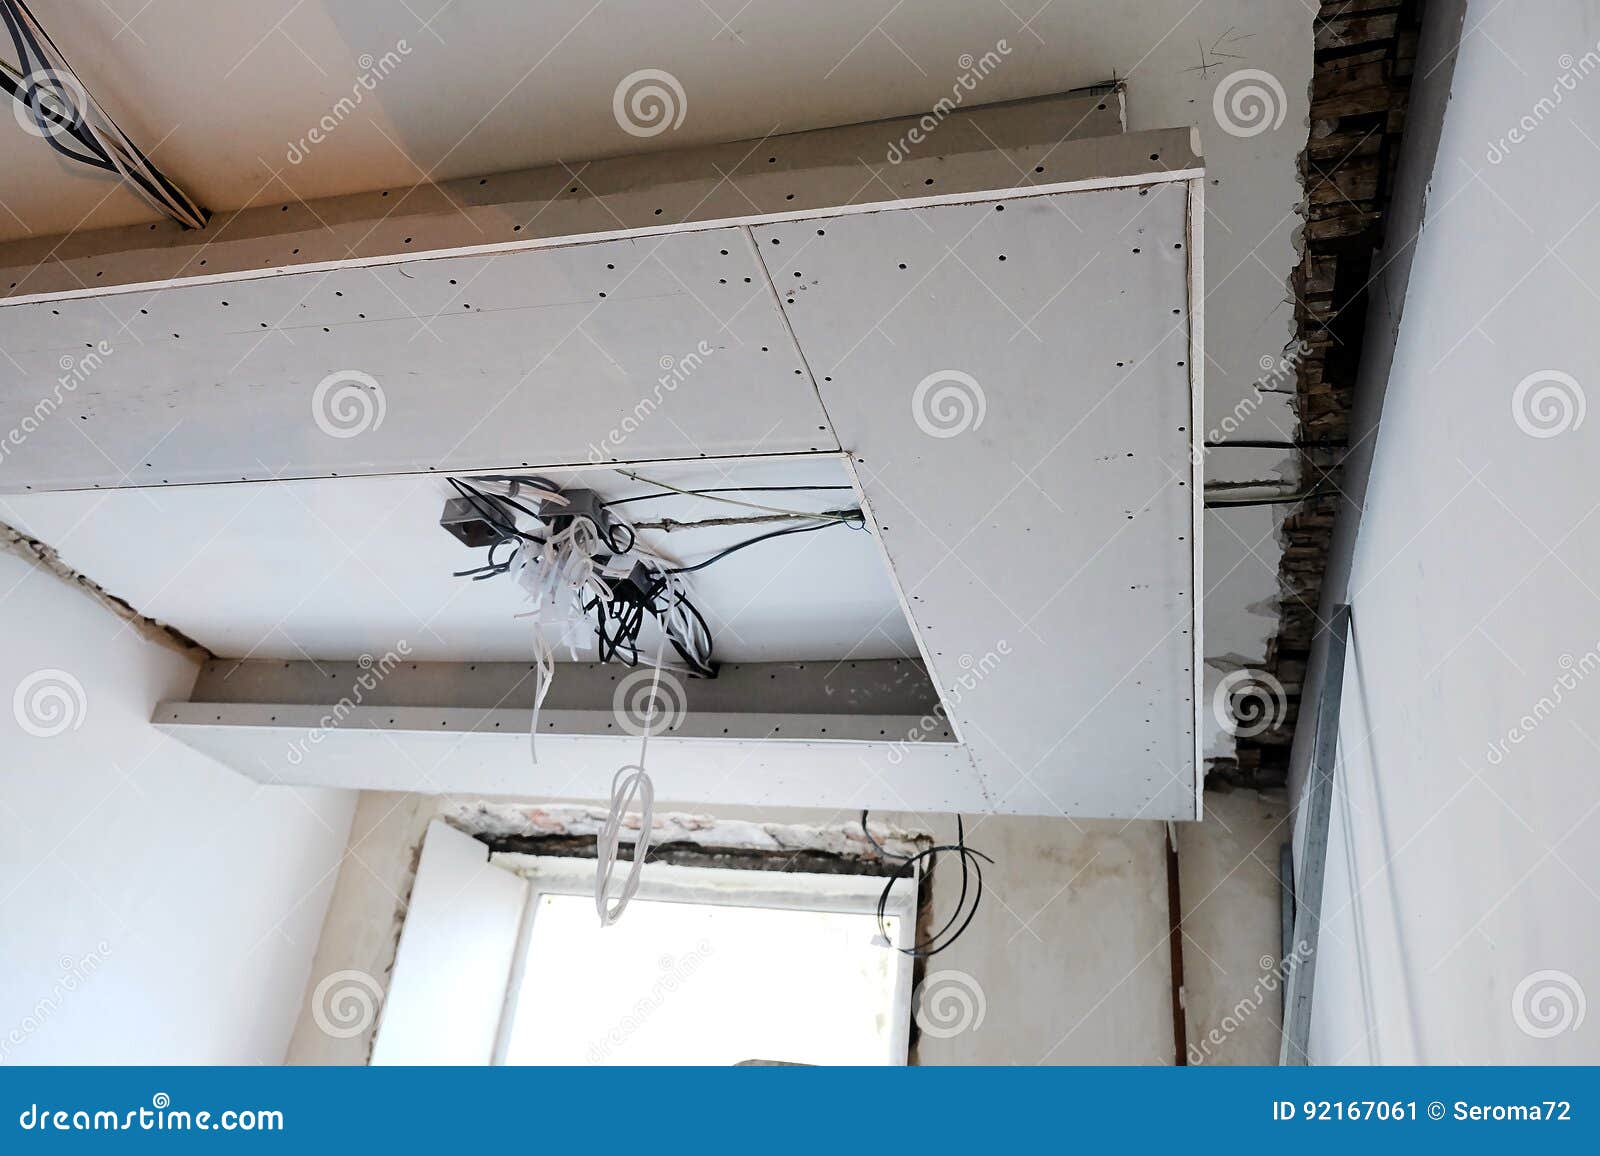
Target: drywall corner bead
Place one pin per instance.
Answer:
(45, 557)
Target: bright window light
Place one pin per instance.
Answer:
(701, 983)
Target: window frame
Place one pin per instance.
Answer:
(847, 893)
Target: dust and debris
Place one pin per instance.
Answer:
(496, 822)
(47, 558)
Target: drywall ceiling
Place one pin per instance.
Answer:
(335, 569)
(225, 93)
(534, 341)
(1092, 406)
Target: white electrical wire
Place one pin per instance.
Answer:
(567, 573)
(630, 782)
(558, 575)
(710, 497)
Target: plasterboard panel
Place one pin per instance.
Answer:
(477, 758)
(1042, 525)
(338, 568)
(1036, 144)
(657, 348)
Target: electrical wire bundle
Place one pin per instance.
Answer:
(585, 571)
(583, 565)
(72, 121)
(971, 873)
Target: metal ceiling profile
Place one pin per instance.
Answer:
(996, 342)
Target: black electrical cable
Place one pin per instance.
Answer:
(492, 508)
(971, 878)
(734, 549)
(718, 490)
(54, 124)
(706, 668)
(611, 541)
(619, 619)
(1316, 491)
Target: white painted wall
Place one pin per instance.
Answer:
(1462, 903)
(154, 907)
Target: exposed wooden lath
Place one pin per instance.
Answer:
(1365, 51)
